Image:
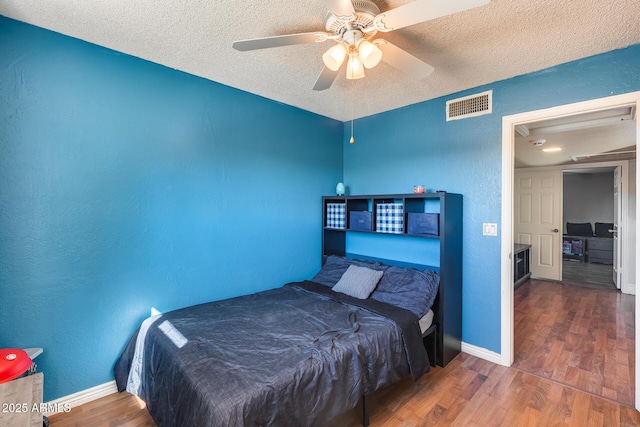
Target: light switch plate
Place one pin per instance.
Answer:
(489, 229)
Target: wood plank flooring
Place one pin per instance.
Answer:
(592, 275)
(578, 336)
(574, 366)
(118, 409)
(469, 392)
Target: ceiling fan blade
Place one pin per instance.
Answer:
(341, 7)
(424, 10)
(403, 61)
(326, 78)
(277, 41)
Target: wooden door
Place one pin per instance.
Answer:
(538, 220)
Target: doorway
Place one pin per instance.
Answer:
(562, 323)
(569, 215)
(590, 207)
(630, 251)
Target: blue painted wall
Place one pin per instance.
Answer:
(125, 185)
(415, 145)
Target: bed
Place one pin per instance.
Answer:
(300, 355)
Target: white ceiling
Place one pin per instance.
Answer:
(471, 48)
(598, 136)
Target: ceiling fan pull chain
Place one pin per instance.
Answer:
(351, 141)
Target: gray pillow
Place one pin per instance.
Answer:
(579, 229)
(335, 266)
(602, 229)
(358, 282)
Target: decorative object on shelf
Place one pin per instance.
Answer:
(423, 223)
(390, 218)
(418, 189)
(340, 189)
(336, 215)
(360, 220)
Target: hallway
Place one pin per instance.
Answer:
(577, 336)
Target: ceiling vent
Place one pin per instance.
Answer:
(469, 106)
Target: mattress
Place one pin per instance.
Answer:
(312, 356)
(426, 321)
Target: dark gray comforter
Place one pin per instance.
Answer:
(294, 356)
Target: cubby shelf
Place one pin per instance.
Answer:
(448, 206)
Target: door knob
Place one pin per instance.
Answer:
(613, 231)
(555, 230)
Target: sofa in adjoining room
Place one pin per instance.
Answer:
(582, 243)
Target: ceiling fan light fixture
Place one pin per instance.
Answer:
(334, 57)
(355, 68)
(370, 54)
(349, 22)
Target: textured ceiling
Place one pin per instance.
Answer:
(494, 42)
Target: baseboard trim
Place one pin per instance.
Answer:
(102, 390)
(628, 288)
(65, 403)
(482, 353)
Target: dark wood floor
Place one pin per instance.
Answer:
(578, 336)
(467, 392)
(592, 275)
(574, 366)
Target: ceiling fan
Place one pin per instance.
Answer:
(353, 24)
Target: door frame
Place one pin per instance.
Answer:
(508, 150)
(620, 216)
(624, 211)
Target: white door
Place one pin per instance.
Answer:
(617, 226)
(538, 220)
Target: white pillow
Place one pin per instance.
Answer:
(358, 282)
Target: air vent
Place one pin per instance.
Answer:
(469, 106)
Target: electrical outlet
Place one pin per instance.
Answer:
(489, 229)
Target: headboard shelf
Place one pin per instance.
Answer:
(405, 230)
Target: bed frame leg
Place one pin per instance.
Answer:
(365, 411)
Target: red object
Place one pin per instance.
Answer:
(13, 363)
